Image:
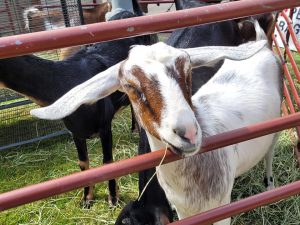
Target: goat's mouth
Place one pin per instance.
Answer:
(182, 152)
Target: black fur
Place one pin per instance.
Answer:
(46, 81)
(153, 207)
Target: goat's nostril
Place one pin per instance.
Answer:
(180, 132)
(188, 135)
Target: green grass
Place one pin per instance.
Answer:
(57, 157)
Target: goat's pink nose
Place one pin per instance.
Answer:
(191, 135)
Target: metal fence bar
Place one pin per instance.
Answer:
(288, 98)
(284, 108)
(291, 30)
(81, 179)
(15, 104)
(289, 53)
(46, 40)
(243, 205)
(288, 76)
(285, 41)
(55, 134)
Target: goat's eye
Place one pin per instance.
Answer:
(132, 88)
(138, 92)
(143, 97)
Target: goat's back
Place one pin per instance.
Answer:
(239, 96)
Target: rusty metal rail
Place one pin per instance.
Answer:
(46, 40)
(241, 206)
(57, 186)
(292, 98)
(23, 44)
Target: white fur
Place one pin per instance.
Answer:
(25, 16)
(199, 183)
(52, 26)
(252, 96)
(174, 113)
(255, 96)
(80, 94)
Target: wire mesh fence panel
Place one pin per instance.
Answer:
(18, 127)
(8, 95)
(26, 16)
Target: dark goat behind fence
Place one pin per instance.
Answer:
(153, 207)
(44, 81)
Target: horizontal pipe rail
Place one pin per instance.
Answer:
(96, 4)
(91, 33)
(243, 205)
(89, 177)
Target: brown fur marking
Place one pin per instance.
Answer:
(184, 81)
(84, 165)
(150, 103)
(110, 200)
(90, 195)
(2, 85)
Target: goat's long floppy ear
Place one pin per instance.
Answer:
(98, 87)
(205, 55)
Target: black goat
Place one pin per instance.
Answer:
(153, 208)
(44, 81)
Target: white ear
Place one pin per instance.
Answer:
(98, 87)
(204, 55)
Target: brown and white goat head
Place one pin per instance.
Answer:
(157, 79)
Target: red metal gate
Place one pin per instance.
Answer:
(23, 44)
(292, 99)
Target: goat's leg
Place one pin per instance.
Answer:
(269, 180)
(106, 141)
(225, 201)
(83, 162)
(223, 222)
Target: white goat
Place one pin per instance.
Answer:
(157, 80)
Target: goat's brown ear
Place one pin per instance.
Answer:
(205, 55)
(98, 87)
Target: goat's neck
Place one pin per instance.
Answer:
(43, 81)
(204, 170)
(29, 76)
